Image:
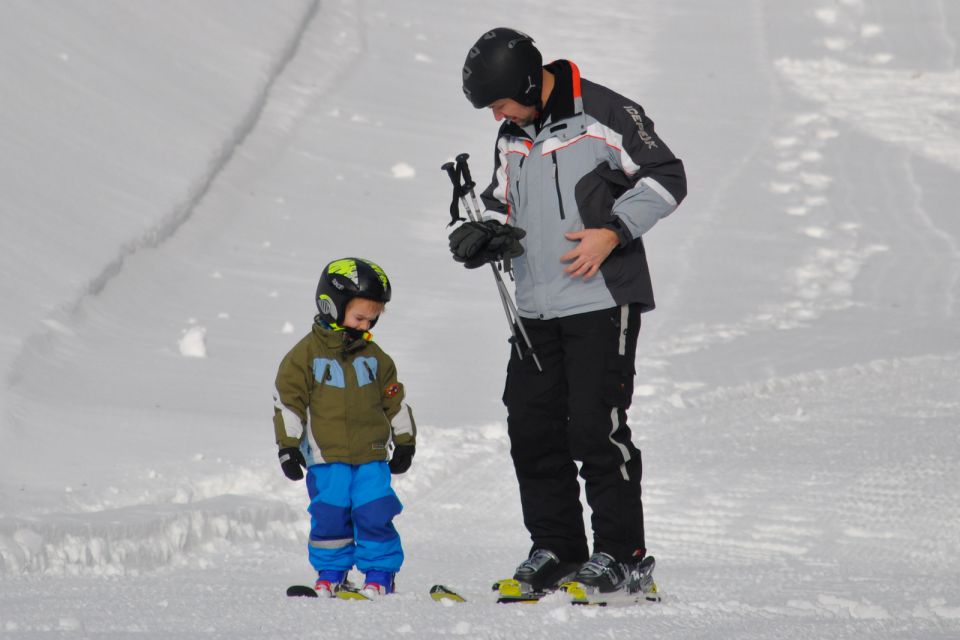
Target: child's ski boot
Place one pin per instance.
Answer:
(378, 583)
(329, 582)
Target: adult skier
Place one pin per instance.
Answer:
(579, 176)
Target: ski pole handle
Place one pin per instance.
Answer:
(468, 183)
(458, 192)
(462, 166)
(450, 168)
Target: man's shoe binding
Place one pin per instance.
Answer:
(543, 570)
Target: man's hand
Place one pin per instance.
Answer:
(585, 258)
(477, 243)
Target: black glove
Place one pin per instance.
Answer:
(291, 461)
(477, 243)
(402, 457)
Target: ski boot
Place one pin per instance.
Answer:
(602, 580)
(378, 583)
(329, 582)
(535, 577)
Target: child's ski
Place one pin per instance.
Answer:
(343, 592)
(349, 593)
(440, 593)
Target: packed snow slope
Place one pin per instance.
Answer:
(175, 174)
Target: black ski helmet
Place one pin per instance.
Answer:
(345, 279)
(503, 64)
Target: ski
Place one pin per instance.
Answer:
(583, 595)
(508, 592)
(349, 593)
(301, 591)
(343, 592)
(440, 593)
(642, 589)
(513, 592)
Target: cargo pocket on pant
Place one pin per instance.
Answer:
(618, 382)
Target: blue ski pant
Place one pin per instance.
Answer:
(351, 517)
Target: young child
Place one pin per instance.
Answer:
(339, 411)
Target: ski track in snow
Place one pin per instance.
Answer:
(81, 543)
(170, 223)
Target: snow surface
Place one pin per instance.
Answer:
(174, 174)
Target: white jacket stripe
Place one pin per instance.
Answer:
(402, 423)
(292, 425)
(599, 131)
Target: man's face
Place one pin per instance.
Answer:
(510, 109)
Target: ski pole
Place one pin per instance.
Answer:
(458, 192)
(459, 172)
(469, 185)
(455, 174)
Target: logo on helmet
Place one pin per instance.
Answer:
(325, 305)
(531, 85)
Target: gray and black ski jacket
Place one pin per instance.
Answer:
(595, 162)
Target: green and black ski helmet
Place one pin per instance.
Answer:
(345, 279)
(503, 64)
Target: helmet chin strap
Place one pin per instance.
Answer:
(356, 334)
(350, 332)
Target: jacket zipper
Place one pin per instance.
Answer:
(556, 182)
(519, 172)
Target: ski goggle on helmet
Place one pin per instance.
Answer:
(345, 279)
(503, 63)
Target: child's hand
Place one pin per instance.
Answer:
(291, 461)
(402, 458)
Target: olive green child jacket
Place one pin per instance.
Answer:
(340, 401)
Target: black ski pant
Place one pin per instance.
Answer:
(575, 410)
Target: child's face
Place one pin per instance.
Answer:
(361, 313)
